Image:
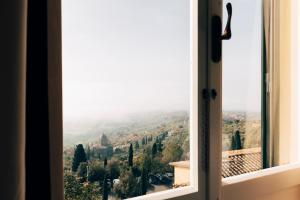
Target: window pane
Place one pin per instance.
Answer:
(126, 82)
(242, 83)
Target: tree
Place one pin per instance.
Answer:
(105, 189)
(143, 141)
(172, 152)
(238, 143)
(72, 188)
(82, 171)
(79, 156)
(233, 144)
(128, 185)
(104, 140)
(159, 147)
(146, 167)
(105, 162)
(154, 150)
(96, 173)
(113, 170)
(130, 156)
(88, 152)
(137, 146)
(136, 171)
(90, 192)
(144, 182)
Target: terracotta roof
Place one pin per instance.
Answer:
(241, 161)
(235, 162)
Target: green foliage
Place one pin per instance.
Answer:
(128, 185)
(113, 170)
(88, 152)
(154, 150)
(74, 190)
(105, 162)
(91, 192)
(144, 181)
(137, 146)
(79, 156)
(130, 156)
(236, 142)
(104, 140)
(159, 147)
(96, 173)
(105, 189)
(82, 171)
(143, 141)
(136, 171)
(233, 143)
(172, 152)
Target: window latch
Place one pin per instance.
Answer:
(227, 32)
(217, 35)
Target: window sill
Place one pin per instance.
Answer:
(255, 184)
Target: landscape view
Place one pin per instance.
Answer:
(126, 158)
(126, 97)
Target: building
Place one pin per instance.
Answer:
(181, 173)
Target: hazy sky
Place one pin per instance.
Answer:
(126, 56)
(242, 57)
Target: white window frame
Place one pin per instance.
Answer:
(199, 46)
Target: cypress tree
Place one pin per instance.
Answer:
(105, 189)
(233, 144)
(237, 137)
(144, 181)
(137, 146)
(143, 141)
(79, 156)
(154, 150)
(130, 156)
(159, 147)
(105, 162)
(88, 152)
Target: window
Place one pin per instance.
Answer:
(242, 126)
(130, 99)
(205, 109)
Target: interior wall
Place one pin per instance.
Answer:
(287, 136)
(292, 193)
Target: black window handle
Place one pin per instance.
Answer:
(227, 32)
(217, 35)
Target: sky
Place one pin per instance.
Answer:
(128, 56)
(242, 57)
(125, 56)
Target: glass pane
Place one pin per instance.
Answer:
(242, 83)
(126, 97)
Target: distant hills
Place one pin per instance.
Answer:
(134, 124)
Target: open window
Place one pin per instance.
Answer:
(167, 48)
(131, 75)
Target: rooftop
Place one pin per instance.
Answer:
(242, 161)
(234, 162)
